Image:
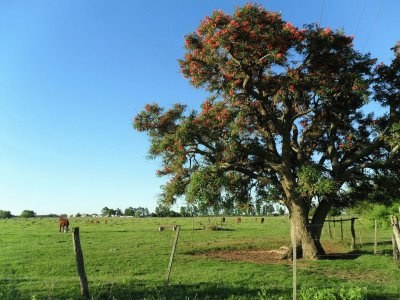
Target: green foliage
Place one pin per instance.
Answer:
(28, 214)
(343, 293)
(163, 210)
(284, 119)
(394, 137)
(334, 212)
(5, 214)
(312, 182)
(262, 116)
(382, 213)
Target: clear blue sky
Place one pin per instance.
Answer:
(74, 73)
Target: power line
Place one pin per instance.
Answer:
(360, 17)
(322, 11)
(373, 25)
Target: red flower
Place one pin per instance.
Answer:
(327, 31)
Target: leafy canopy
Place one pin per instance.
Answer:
(285, 113)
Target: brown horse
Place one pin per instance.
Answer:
(64, 223)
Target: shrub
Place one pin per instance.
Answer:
(5, 214)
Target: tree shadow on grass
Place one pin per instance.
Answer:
(179, 291)
(354, 254)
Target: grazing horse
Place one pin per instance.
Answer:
(64, 223)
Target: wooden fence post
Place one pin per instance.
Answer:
(341, 228)
(376, 238)
(178, 227)
(329, 229)
(396, 254)
(294, 251)
(353, 234)
(80, 267)
(334, 228)
(396, 237)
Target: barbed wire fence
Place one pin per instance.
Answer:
(360, 239)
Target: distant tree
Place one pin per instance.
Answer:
(162, 210)
(78, 215)
(281, 211)
(165, 211)
(28, 214)
(268, 209)
(106, 212)
(183, 211)
(130, 211)
(146, 212)
(118, 212)
(5, 214)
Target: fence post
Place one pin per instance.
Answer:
(294, 251)
(329, 229)
(334, 228)
(80, 267)
(376, 238)
(178, 227)
(353, 234)
(395, 237)
(341, 228)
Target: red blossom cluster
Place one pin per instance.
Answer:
(221, 40)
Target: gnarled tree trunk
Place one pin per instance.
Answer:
(306, 245)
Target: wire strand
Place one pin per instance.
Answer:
(373, 24)
(322, 11)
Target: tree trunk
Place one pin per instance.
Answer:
(317, 222)
(306, 245)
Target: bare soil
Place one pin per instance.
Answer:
(264, 256)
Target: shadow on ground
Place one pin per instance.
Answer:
(179, 291)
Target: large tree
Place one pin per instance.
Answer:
(285, 120)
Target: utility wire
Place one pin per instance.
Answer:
(322, 11)
(373, 25)
(360, 17)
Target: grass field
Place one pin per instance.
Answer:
(128, 258)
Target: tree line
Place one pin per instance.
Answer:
(5, 214)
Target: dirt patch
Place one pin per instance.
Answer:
(264, 256)
(256, 256)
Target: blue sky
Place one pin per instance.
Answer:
(74, 73)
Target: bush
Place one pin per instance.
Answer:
(382, 213)
(28, 214)
(5, 214)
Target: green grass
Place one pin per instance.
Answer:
(127, 259)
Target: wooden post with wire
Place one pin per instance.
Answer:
(294, 252)
(396, 238)
(353, 234)
(80, 267)
(178, 227)
(376, 238)
(334, 228)
(341, 228)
